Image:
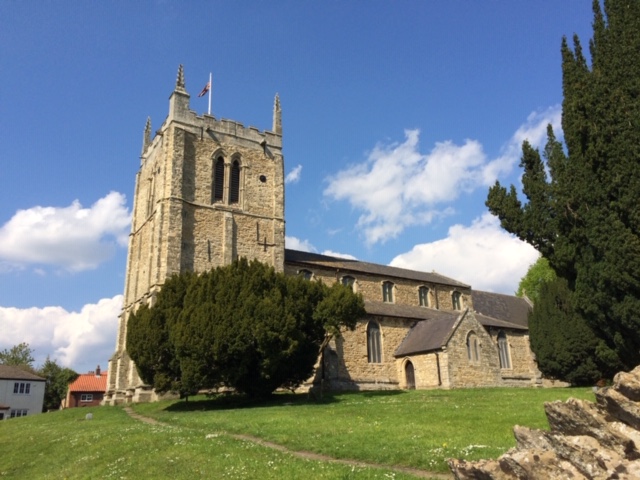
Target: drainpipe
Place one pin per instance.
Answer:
(438, 367)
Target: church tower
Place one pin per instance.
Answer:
(208, 191)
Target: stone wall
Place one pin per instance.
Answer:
(467, 373)
(353, 364)
(523, 371)
(428, 370)
(405, 292)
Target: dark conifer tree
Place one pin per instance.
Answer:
(585, 218)
(565, 346)
(242, 326)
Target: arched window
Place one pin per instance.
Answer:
(503, 350)
(234, 185)
(473, 348)
(374, 352)
(306, 274)
(423, 296)
(218, 180)
(456, 300)
(348, 281)
(387, 292)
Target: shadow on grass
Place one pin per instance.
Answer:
(229, 401)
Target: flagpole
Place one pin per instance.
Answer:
(210, 87)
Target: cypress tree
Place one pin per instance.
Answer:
(584, 218)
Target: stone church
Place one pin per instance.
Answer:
(211, 190)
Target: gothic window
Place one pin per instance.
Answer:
(473, 348)
(387, 292)
(423, 296)
(374, 352)
(503, 350)
(218, 180)
(306, 274)
(456, 300)
(234, 185)
(348, 281)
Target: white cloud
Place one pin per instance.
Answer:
(294, 175)
(346, 256)
(73, 237)
(481, 255)
(301, 245)
(397, 186)
(305, 246)
(80, 340)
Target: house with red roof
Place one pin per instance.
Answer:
(87, 390)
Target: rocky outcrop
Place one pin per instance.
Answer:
(586, 441)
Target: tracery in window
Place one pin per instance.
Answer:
(503, 350)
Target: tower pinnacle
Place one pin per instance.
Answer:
(277, 116)
(146, 138)
(180, 87)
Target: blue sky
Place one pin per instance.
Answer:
(397, 117)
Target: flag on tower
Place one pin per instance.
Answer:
(205, 89)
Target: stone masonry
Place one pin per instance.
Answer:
(178, 223)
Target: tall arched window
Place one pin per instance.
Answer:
(473, 348)
(374, 352)
(387, 292)
(423, 296)
(503, 350)
(456, 300)
(234, 182)
(218, 180)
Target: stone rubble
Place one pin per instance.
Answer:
(586, 441)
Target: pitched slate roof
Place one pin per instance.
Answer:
(385, 309)
(356, 266)
(89, 382)
(10, 372)
(497, 306)
(430, 334)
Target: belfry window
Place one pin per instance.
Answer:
(503, 350)
(218, 180)
(374, 352)
(234, 186)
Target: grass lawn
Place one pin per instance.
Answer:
(416, 428)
